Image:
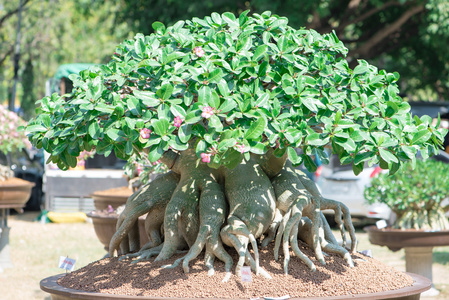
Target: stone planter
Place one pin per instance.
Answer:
(418, 246)
(14, 193)
(105, 227)
(58, 292)
(114, 197)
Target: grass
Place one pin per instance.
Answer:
(35, 250)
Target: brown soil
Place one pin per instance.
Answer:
(148, 279)
(14, 181)
(119, 191)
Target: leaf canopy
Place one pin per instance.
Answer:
(237, 85)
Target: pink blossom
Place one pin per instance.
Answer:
(240, 148)
(177, 122)
(205, 157)
(198, 51)
(207, 112)
(145, 133)
(110, 209)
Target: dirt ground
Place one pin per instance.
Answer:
(35, 250)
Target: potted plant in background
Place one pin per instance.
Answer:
(418, 195)
(223, 102)
(14, 192)
(109, 203)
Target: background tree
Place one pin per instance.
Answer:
(53, 33)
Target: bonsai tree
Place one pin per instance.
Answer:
(415, 195)
(11, 139)
(223, 102)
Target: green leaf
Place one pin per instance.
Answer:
(260, 51)
(257, 148)
(35, 128)
(165, 91)
(161, 126)
(225, 144)
(115, 134)
(148, 98)
(158, 27)
(94, 130)
(215, 76)
(421, 137)
(177, 110)
(256, 129)
(360, 69)
(357, 168)
(387, 156)
(316, 139)
(155, 153)
(293, 156)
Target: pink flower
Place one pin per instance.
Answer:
(205, 157)
(110, 209)
(198, 51)
(145, 133)
(207, 112)
(240, 148)
(177, 122)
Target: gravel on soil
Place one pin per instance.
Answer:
(147, 278)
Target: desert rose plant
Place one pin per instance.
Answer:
(223, 102)
(11, 138)
(415, 194)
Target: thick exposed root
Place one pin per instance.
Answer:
(343, 220)
(305, 234)
(203, 208)
(213, 211)
(181, 220)
(153, 196)
(251, 207)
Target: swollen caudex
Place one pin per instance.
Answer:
(204, 208)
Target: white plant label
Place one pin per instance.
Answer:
(277, 298)
(381, 224)
(246, 274)
(67, 263)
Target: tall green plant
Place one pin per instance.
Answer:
(223, 101)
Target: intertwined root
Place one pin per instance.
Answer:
(295, 200)
(201, 208)
(153, 197)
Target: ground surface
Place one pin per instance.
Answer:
(36, 248)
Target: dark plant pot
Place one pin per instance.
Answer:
(418, 247)
(105, 227)
(395, 239)
(114, 197)
(14, 193)
(58, 292)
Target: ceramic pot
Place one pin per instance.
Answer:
(58, 292)
(114, 197)
(105, 227)
(15, 192)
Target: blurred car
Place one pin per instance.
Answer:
(338, 182)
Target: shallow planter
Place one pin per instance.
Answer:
(418, 246)
(15, 192)
(105, 227)
(58, 292)
(396, 239)
(114, 197)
